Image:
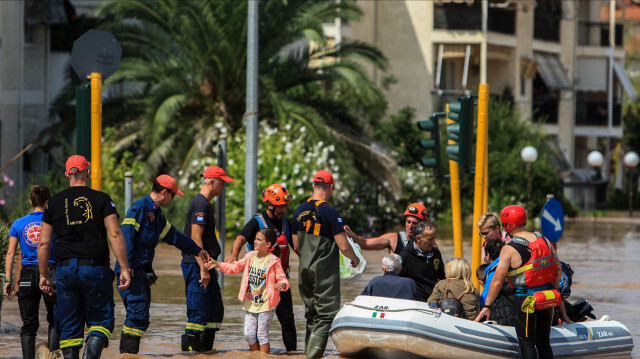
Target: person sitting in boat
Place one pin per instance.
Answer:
(422, 260)
(502, 308)
(394, 241)
(489, 226)
(457, 285)
(390, 284)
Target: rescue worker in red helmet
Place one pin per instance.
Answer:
(531, 265)
(394, 241)
(277, 197)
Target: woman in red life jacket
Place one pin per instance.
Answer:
(531, 265)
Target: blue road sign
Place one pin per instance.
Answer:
(552, 220)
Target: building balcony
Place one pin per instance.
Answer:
(463, 17)
(589, 113)
(592, 33)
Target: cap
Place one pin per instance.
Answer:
(78, 162)
(323, 176)
(169, 183)
(216, 172)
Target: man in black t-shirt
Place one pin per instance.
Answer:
(82, 219)
(205, 309)
(277, 198)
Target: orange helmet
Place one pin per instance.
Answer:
(512, 217)
(417, 210)
(277, 194)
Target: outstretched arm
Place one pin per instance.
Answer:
(387, 240)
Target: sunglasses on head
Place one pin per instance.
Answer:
(415, 210)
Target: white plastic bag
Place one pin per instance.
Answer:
(346, 270)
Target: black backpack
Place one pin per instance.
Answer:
(452, 306)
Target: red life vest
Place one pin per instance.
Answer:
(539, 270)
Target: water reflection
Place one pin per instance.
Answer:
(604, 257)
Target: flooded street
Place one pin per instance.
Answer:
(604, 256)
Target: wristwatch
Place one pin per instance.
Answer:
(8, 279)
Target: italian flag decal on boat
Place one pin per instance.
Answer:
(375, 314)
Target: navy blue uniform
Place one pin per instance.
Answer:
(205, 309)
(84, 280)
(426, 269)
(143, 228)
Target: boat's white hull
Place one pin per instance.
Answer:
(396, 328)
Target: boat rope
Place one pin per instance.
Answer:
(422, 310)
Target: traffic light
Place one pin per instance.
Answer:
(461, 131)
(433, 142)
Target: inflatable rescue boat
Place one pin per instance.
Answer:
(377, 327)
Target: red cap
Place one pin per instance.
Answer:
(323, 176)
(168, 182)
(216, 172)
(78, 162)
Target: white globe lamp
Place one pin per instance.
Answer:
(529, 154)
(595, 159)
(631, 159)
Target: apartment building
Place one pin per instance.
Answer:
(562, 61)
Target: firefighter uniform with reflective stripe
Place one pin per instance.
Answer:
(143, 227)
(316, 223)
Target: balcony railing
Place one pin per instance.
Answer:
(456, 16)
(590, 113)
(597, 33)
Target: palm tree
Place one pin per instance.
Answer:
(184, 70)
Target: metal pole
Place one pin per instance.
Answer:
(251, 115)
(128, 190)
(83, 120)
(483, 44)
(456, 212)
(221, 204)
(630, 170)
(96, 131)
(481, 158)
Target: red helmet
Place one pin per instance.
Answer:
(417, 210)
(512, 217)
(277, 194)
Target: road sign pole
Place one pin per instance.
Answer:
(83, 120)
(96, 131)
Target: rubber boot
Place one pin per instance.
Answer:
(190, 342)
(71, 353)
(28, 346)
(93, 347)
(129, 343)
(316, 346)
(290, 339)
(206, 340)
(53, 339)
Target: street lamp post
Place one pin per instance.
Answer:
(631, 161)
(529, 154)
(595, 160)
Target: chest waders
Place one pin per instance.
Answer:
(319, 281)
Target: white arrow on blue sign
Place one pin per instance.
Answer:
(552, 221)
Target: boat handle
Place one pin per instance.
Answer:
(373, 339)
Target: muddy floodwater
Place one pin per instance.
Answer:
(604, 253)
